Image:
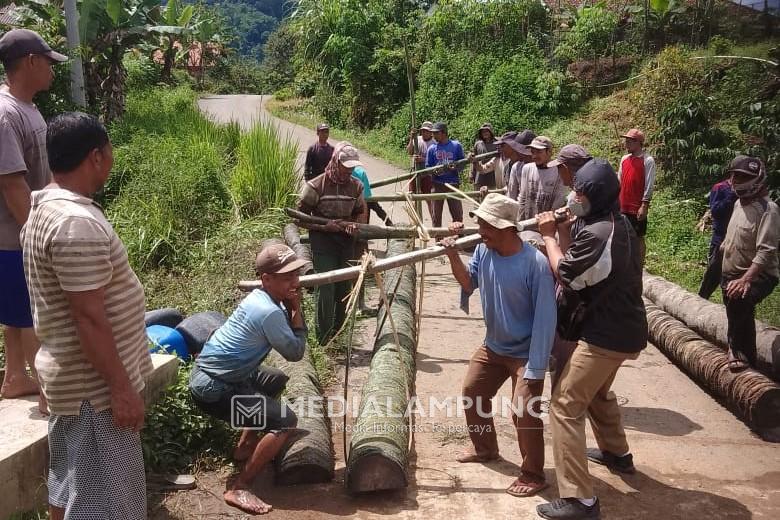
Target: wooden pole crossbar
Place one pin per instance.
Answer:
(400, 197)
(432, 169)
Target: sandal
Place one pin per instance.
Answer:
(737, 363)
(531, 487)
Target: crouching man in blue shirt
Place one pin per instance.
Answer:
(518, 304)
(231, 365)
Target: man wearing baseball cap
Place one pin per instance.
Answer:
(27, 61)
(637, 180)
(337, 196)
(570, 159)
(519, 153)
(517, 293)
(318, 155)
(444, 152)
(417, 148)
(750, 264)
(540, 188)
(230, 364)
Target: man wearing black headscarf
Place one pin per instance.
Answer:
(598, 258)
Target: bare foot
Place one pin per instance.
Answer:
(245, 450)
(246, 501)
(470, 456)
(18, 386)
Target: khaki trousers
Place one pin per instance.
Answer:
(487, 372)
(584, 389)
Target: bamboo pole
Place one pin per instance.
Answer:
(750, 395)
(427, 171)
(399, 197)
(351, 273)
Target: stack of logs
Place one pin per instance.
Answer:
(693, 333)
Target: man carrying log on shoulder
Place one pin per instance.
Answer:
(596, 260)
(229, 368)
(518, 303)
(750, 271)
(337, 196)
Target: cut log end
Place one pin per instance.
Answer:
(313, 473)
(375, 472)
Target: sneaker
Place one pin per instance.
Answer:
(569, 509)
(624, 464)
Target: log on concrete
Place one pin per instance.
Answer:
(379, 449)
(307, 457)
(293, 239)
(752, 396)
(24, 448)
(709, 321)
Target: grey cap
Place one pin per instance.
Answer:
(542, 143)
(568, 153)
(18, 43)
(323, 126)
(427, 125)
(440, 127)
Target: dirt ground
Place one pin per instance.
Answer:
(695, 460)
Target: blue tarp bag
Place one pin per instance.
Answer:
(166, 340)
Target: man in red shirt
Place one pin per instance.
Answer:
(637, 178)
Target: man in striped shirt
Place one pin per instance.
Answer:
(88, 312)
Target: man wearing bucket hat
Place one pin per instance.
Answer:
(750, 264)
(27, 61)
(318, 155)
(637, 180)
(540, 188)
(230, 368)
(518, 303)
(338, 196)
(485, 143)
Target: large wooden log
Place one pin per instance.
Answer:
(427, 171)
(399, 197)
(749, 394)
(379, 448)
(709, 320)
(307, 456)
(293, 239)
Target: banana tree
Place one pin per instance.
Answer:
(174, 25)
(108, 29)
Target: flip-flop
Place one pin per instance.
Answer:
(535, 487)
(736, 363)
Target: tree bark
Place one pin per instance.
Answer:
(379, 449)
(709, 321)
(293, 239)
(752, 396)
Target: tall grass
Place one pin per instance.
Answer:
(265, 170)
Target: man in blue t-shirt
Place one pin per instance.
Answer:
(443, 153)
(230, 365)
(518, 303)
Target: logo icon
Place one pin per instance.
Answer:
(248, 412)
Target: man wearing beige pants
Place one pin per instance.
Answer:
(598, 259)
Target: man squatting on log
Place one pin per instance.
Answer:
(518, 303)
(338, 196)
(597, 256)
(750, 265)
(230, 364)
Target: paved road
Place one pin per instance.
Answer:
(695, 460)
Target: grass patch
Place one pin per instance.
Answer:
(377, 142)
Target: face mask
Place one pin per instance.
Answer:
(579, 208)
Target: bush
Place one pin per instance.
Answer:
(692, 149)
(176, 432)
(265, 175)
(761, 129)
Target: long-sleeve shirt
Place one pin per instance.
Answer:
(238, 347)
(538, 190)
(721, 199)
(518, 304)
(317, 158)
(637, 181)
(752, 238)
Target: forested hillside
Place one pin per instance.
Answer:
(250, 22)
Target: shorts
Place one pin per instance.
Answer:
(640, 226)
(426, 185)
(266, 381)
(96, 470)
(15, 303)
